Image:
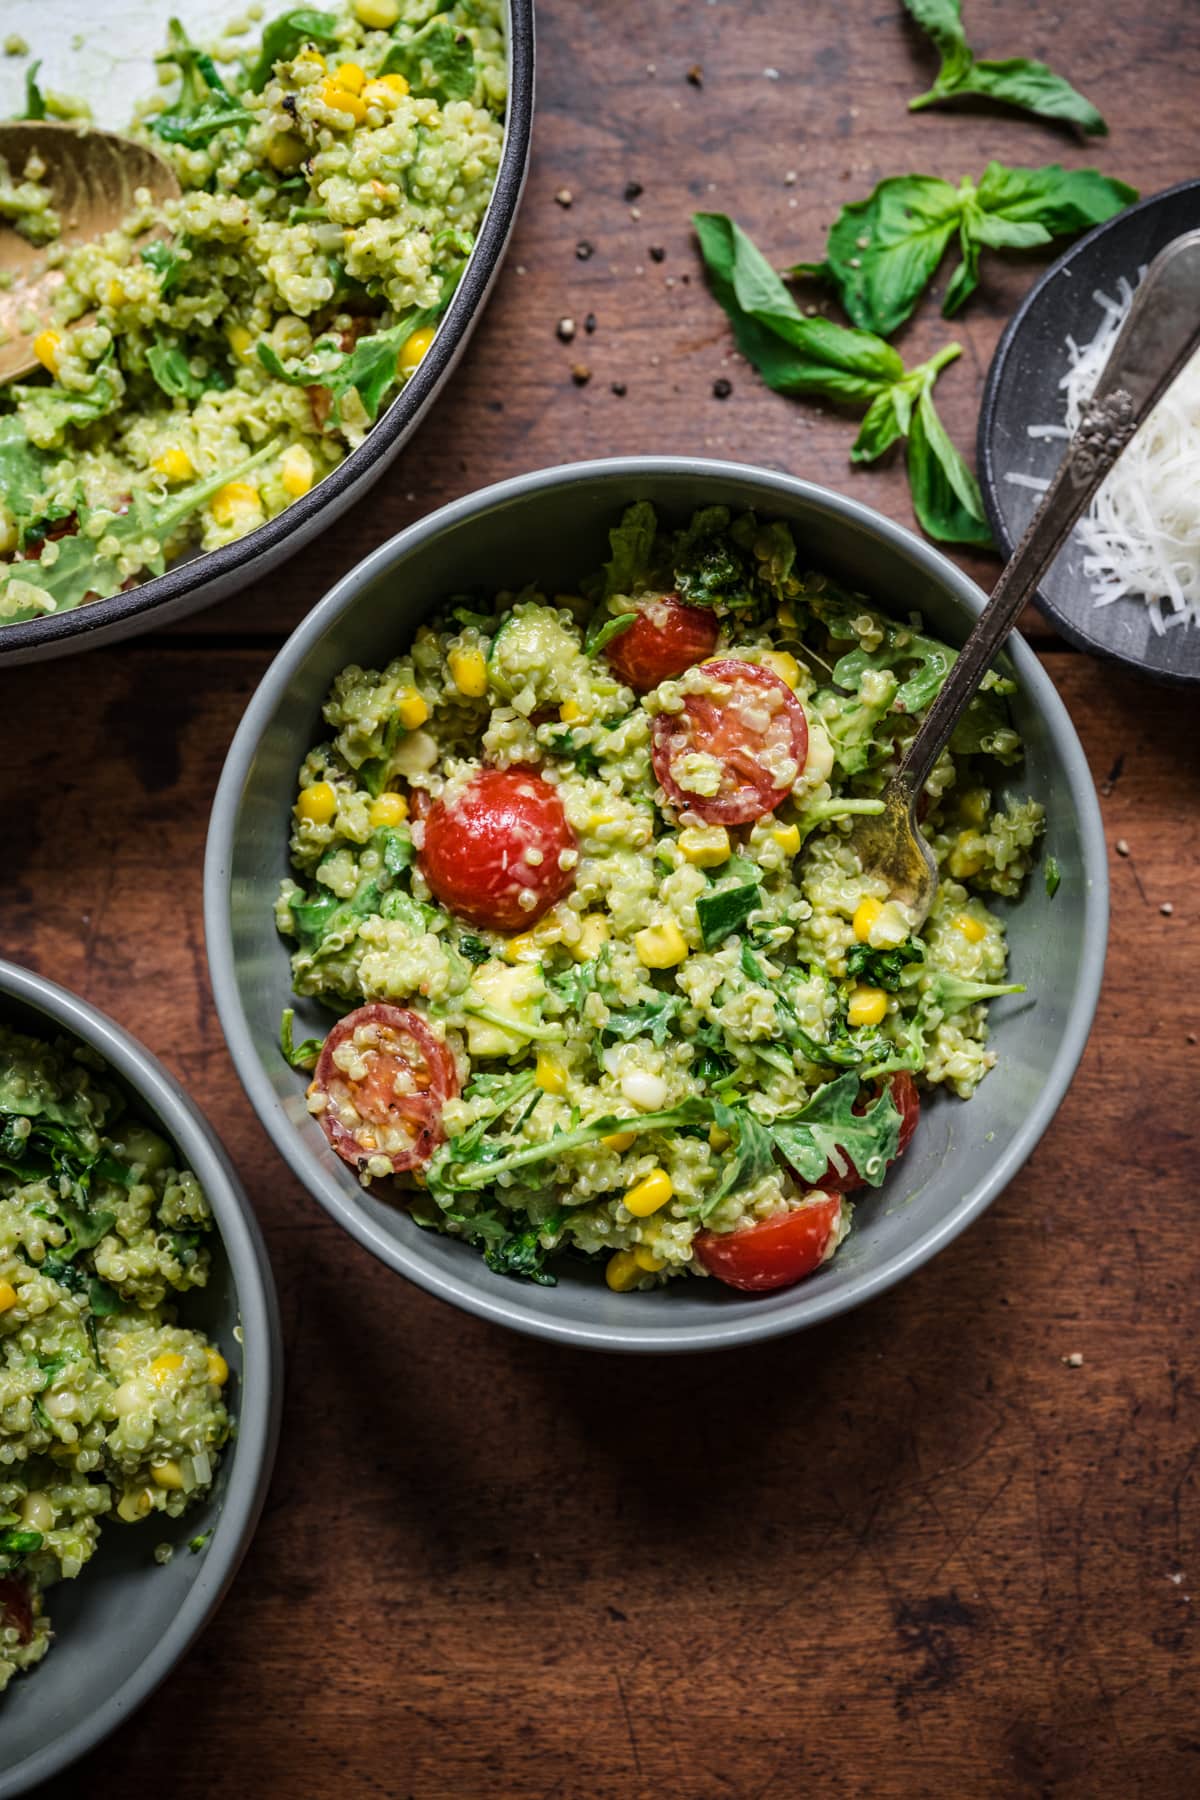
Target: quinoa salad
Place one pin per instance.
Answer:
(210, 361)
(573, 872)
(110, 1410)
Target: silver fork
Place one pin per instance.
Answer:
(1157, 339)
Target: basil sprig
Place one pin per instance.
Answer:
(796, 354)
(883, 251)
(1017, 81)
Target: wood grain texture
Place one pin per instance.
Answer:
(911, 1553)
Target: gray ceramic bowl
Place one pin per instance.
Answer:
(124, 1624)
(551, 528)
(136, 33)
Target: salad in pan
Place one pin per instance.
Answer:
(572, 873)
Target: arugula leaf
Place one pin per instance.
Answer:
(22, 468)
(60, 407)
(727, 911)
(303, 1055)
(649, 1018)
(166, 263)
(583, 755)
(457, 1167)
(631, 559)
(370, 367)
(950, 993)
(605, 631)
(438, 62)
(84, 1227)
(171, 369)
(204, 105)
(284, 36)
(473, 948)
(521, 1255)
(883, 968)
(1053, 876)
(35, 103)
(985, 728)
(1019, 81)
(80, 567)
(796, 354)
(751, 1156)
(828, 1130)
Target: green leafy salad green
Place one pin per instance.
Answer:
(693, 1027)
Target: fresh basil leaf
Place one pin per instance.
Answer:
(725, 912)
(1018, 81)
(84, 1227)
(171, 369)
(102, 1299)
(284, 36)
(473, 948)
(710, 567)
(521, 1255)
(1061, 200)
(438, 62)
(946, 497)
(15, 1542)
(303, 1055)
(883, 251)
(885, 422)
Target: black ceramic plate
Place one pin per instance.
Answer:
(201, 580)
(1022, 390)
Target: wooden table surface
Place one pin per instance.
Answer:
(911, 1553)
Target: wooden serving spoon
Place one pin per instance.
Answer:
(1157, 339)
(92, 177)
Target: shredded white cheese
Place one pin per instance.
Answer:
(1141, 536)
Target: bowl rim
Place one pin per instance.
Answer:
(232, 564)
(985, 457)
(260, 1391)
(624, 473)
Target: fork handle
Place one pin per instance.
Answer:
(1157, 339)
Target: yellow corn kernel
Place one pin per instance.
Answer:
(549, 1074)
(46, 346)
(235, 498)
(783, 664)
(164, 1366)
(317, 804)
(411, 709)
(114, 293)
(397, 83)
(570, 712)
(415, 346)
(377, 15)
(649, 1195)
(388, 809)
(592, 937)
(168, 1474)
(525, 947)
(619, 1141)
(312, 55)
(704, 846)
(8, 1296)
(718, 1139)
(218, 1368)
(37, 1511)
(286, 151)
(973, 805)
(241, 341)
(175, 464)
(645, 1259)
(865, 915)
(966, 858)
(341, 100)
(621, 1272)
(867, 1006)
(468, 672)
(788, 838)
(660, 946)
(971, 928)
(134, 1504)
(351, 76)
(296, 470)
(10, 537)
(786, 616)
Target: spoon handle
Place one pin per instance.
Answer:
(1159, 336)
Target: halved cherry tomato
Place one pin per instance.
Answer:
(775, 1253)
(391, 1105)
(752, 724)
(666, 638)
(16, 1607)
(908, 1101)
(494, 853)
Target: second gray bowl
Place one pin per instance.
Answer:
(551, 528)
